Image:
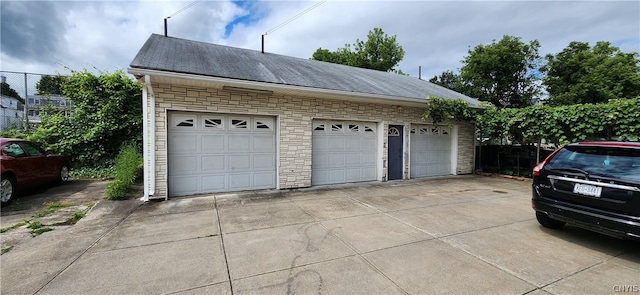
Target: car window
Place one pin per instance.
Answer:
(32, 149)
(14, 150)
(600, 161)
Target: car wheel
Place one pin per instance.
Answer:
(64, 174)
(549, 222)
(7, 188)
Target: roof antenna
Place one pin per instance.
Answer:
(176, 13)
(419, 72)
(290, 20)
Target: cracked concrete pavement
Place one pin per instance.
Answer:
(452, 235)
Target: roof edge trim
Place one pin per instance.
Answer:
(356, 96)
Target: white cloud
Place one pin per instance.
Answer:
(435, 34)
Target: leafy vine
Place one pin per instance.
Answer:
(559, 125)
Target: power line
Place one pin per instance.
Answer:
(295, 17)
(290, 20)
(176, 13)
(184, 8)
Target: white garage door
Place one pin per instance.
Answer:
(343, 151)
(218, 153)
(430, 150)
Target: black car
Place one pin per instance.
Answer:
(592, 185)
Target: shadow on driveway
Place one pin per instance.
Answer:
(81, 191)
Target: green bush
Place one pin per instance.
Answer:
(558, 125)
(14, 133)
(107, 110)
(128, 167)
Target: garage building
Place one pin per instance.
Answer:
(224, 119)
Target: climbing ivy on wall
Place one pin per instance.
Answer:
(440, 109)
(559, 125)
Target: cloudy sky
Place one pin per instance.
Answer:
(47, 36)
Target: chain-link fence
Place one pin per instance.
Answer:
(23, 96)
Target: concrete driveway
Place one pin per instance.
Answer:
(458, 235)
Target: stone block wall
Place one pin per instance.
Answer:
(295, 115)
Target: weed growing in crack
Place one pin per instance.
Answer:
(35, 225)
(75, 217)
(39, 231)
(8, 228)
(5, 250)
(52, 207)
(37, 228)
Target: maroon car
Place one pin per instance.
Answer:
(27, 166)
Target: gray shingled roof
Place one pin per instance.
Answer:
(192, 57)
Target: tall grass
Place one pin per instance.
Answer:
(128, 167)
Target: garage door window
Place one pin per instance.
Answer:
(434, 131)
(368, 129)
(214, 123)
(186, 123)
(264, 124)
(238, 124)
(183, 122)
(420, 130)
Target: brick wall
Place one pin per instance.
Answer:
(295, 117)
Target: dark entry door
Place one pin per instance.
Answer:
(394, 152)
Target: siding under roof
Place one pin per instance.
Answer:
(192, 57)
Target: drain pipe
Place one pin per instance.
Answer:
(148, 138)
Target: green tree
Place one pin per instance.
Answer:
(503, 73)
(5, 89)
(107, 112)
(494, 122)
(400, 72)
(340, 56)
(581, 74)
(380, 52)
(449, 79)
(50, 85)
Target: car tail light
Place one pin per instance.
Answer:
(540, 166)
(537, 168)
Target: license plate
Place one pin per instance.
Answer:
(587, 190)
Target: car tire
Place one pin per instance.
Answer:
(549, 222)
(63, 175)
(7, 189)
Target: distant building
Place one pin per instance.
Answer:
(36, 102)
(11, 112)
